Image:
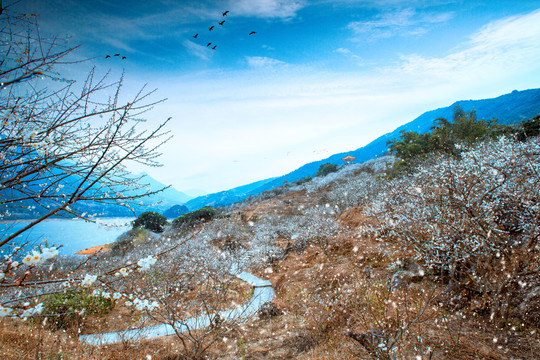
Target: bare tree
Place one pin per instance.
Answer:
(64, 144)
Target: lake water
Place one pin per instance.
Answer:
(75, 235)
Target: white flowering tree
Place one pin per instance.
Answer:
(63, 144)
(474, 218)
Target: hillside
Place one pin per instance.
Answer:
(507, 109)
(360, 268)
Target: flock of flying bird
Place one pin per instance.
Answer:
(108, 56)
(196, 36)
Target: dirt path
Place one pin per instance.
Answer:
(262, 293)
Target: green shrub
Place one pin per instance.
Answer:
(529, 128)
(151, 220)
(205, 214)
(326, 169)
(65, 308)
(445, 137)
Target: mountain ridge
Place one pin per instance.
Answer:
(508, 109)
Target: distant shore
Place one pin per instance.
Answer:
(94, 249)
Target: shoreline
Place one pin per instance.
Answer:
(94, 249)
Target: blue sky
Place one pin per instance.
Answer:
(317, 78)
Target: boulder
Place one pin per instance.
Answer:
(412, 272)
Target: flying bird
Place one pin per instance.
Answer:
(251, 33)
(195, 36)
(225, 13)
(107, 56)
(207, 45)
(123, 58)
(214, 48)
(221, 23)
(211, 28)
(116, 54)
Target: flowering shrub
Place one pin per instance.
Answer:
(62, 160)
(144, 264)
(473, 218)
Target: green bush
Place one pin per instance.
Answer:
(151, 220)
(529, 128)
(65, 308)
(326, 169)
(204, 214)
(445, 137)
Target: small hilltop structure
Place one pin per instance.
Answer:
(348, 159)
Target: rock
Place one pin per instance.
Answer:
(269, 310)
(415, 269)
(402, 278)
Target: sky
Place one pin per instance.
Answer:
(316, 78)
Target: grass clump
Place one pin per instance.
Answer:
(71, 308)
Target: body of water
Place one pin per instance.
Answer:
(74, 235)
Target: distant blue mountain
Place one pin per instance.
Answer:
(507, 109)
(169, 196)
(224, 198)
(158, 202)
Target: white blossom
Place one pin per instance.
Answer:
(49, 253)
(144, 264)
(5, 311)
(88, 280)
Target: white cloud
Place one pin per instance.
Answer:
(284, 9)
(349, 54)
(197, 50)
(343, 51)
(263, 62)
(502, 47)
(405, 21)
